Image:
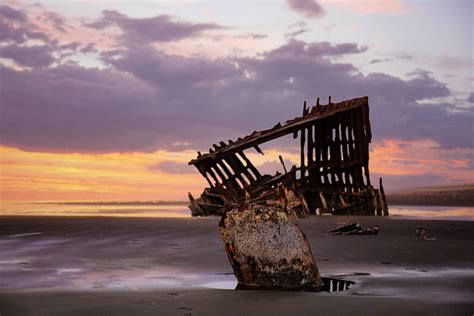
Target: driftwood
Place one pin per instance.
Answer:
(332, 178)
(355, 229)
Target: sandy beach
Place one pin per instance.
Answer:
(178, 266)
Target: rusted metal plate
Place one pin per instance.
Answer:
(268, 250)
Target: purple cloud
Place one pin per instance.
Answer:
(18, 32)
(9, 13)
(21, 39)
(378, 61)
(162, 28)
(89, 48)
(173, 75)
(40, 56)
(70, 108)
(30, 56)
(296, 33)
(173, 167)
(308, 8)
(55, 19)
(148, 100)
(471, 97)
(299, 49)
(397, 182)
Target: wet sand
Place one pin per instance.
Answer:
(178, 266)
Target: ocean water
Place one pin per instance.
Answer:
(461, 213)
(120, 209)
(174, 209)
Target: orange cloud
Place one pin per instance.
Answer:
(117, 176)
(398, 157)
(218, 45)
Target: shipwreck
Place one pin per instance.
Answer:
(332, 176)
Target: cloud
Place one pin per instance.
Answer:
(69, 108)
(298, 25)
(173, 167)
(450, 62)
(30, 56)
(16, 28)
(174, 76)
(401, 159)
(296, 33)
(162, 28)
(392, 182)
(308, 8)
(471, 97)
(58, 22)
(420, 162)
(378, 61)
(99, 177)
(404, 56)
(89, 48)
(372, 7)
(147, 99)
(26, 38)
(23, 42)
(254, 36)
(12, 14)
(299, 49)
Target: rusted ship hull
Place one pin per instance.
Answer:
(332, 178)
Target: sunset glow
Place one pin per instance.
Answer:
(110, 100)
(164, 175)
(114, 176)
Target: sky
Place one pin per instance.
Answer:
(109, 100)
